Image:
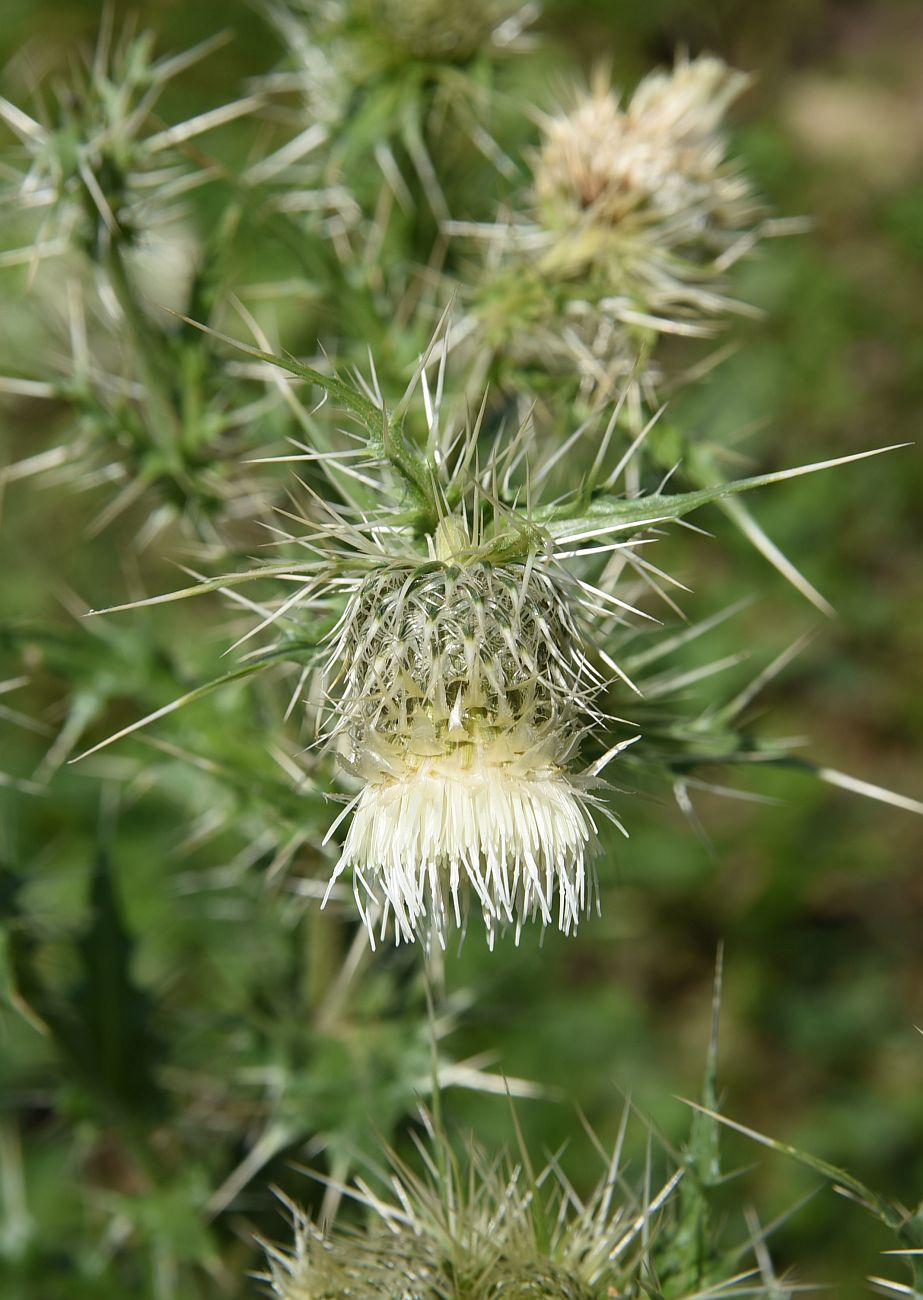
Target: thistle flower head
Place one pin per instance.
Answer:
(462, 694)
(636, 213)
(476, 642)
(446, 31)
(414, 65)
(481, 1227)
(659, 162)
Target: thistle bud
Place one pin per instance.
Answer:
(479, 1226)
(446, 31)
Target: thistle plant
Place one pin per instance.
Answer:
(434, 512)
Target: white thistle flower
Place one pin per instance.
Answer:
(462, 691)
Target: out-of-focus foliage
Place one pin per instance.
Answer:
(180, 1025)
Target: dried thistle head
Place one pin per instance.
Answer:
(658, 164)
(642, 213)
(635, 214)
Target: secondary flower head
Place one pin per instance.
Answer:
(490, 1226)
(658, 163)
(418, 67)
(634, 214)
(462, 692)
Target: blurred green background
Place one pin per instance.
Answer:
(818, 896)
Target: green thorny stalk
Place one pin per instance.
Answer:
(102, 182)
(471, 645)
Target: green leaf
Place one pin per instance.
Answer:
(891, 1215)
(104, 1024)
(692, 1258)
(611, 514)
(18, 985)
(385, 433)
(287, 651)
(345, 394)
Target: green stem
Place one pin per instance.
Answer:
(150, 354)
(413, 469)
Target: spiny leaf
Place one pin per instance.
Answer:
(891, 1215)
(613, 514)
(907, 1227)
(692, 1257)
(103, 1023)
(115, 1041)
(704, 469)
(703, 1153)
(287, 651)
(209, 584)
(18, 984)
(345, 394)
